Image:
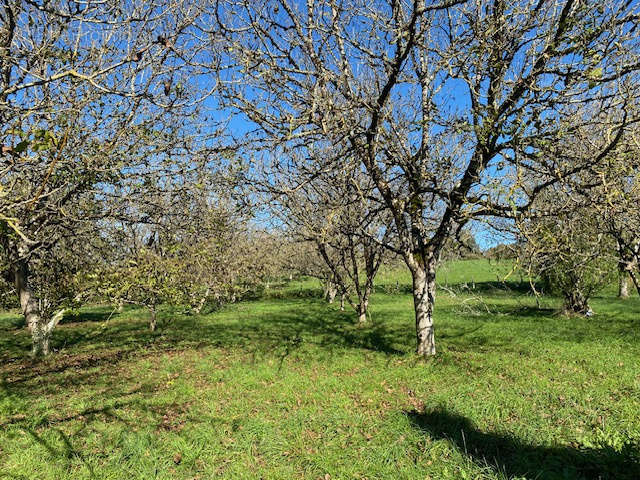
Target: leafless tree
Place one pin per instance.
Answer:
(336, 211)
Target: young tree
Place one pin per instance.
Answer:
(336, 211)
(179, 243)
(452, 107)
(569, 252)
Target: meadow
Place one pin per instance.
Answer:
(287, 386)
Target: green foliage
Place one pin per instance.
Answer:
(571, 255)
(148, 279)
(204, 259)
(8, 298)
(572, 270)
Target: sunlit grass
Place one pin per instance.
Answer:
(291, 388)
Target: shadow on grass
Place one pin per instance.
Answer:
(66, 452)
(240, 326)
(92, 315)
(279, 327)
(521, 288)
(82, 347)
(513, 458)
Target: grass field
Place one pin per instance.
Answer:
(287, 387)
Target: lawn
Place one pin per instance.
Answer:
(288, 387)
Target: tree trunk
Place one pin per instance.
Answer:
(342, 302)
(364, 296)
(576, 303)
(635, 281)
(424, 292)
(623, 290)
(40, 333)
(202, 302)
(40, 342)
(332, 291)
(362, 312)
(153, 321)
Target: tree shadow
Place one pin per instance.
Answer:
(510, 456)
(93, 315)
(66, 452)
(63, 436)
(279, 331)
(460, 288)
(309, 321)
(271, 327)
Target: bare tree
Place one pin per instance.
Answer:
(452, 107)
(335, 210)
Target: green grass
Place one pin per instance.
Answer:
(289, 388)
